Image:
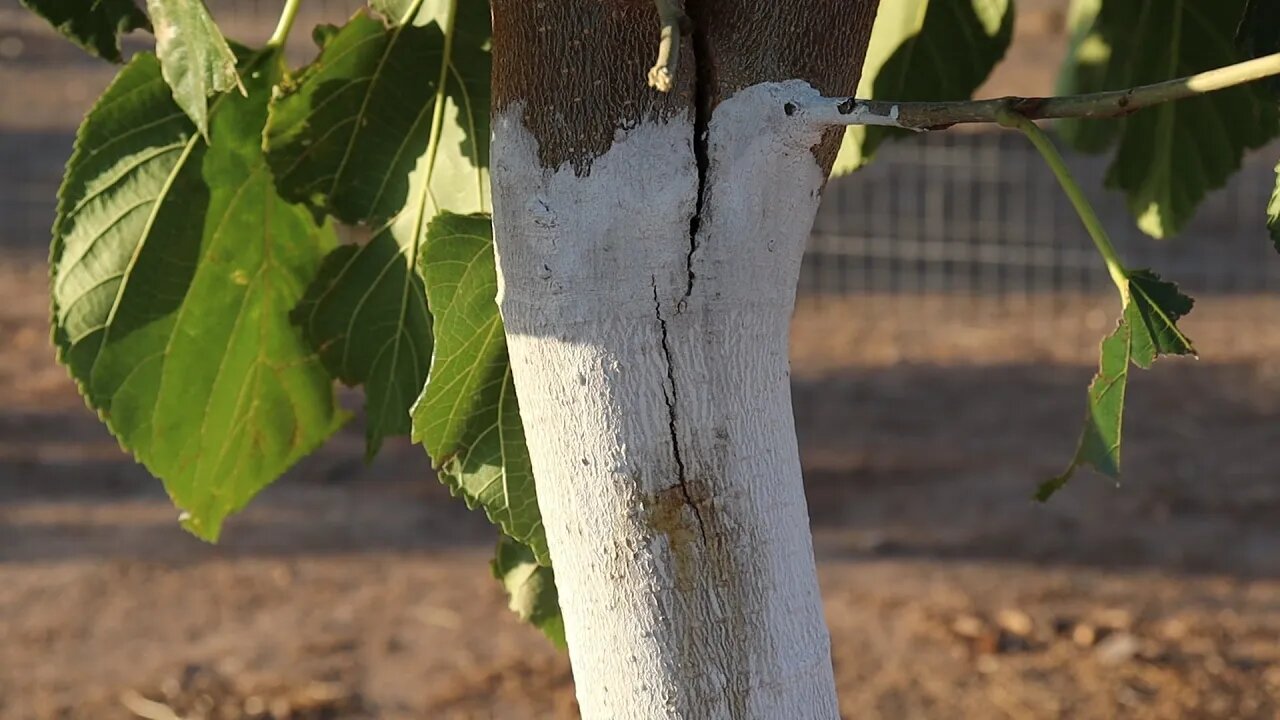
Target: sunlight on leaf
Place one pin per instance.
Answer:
(531, 588)
(174, 266)
(418, 12)
(195, 58)
(468, 418)
(369, 135)
(1169, 156)
(1085, 67)
(925, 50)
(349, 132)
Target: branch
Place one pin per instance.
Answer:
(662, 76)
(921, 116)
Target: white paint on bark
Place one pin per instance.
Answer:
(653, 384)
(825, 111)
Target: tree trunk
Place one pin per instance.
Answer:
(649, 246)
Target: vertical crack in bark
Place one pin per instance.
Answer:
(682, 477)
(702, 95)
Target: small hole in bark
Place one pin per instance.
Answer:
(789, 109)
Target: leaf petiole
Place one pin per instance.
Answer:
(1119, 275)
(287, 15)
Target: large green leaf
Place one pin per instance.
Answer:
(174, 267)
(95, 26)
(531, 587)
(1147, 329)
(468, 418)
(1170, 156)
(195, 58)
(925, 50)
(370, 132)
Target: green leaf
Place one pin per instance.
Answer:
(1099, 445)
(174, 266)
(531, 587)
(369, 133)
(1147, 329)
(419, 12)
(1273, 213)
(1153, 312)
(925, 50)
(94, 26)
(1085, 68)
(1170, 156)
(366, 315)
(321, 34)
(195, 58)
(468, 418)
(349, 133)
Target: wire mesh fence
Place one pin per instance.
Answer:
(980, 213)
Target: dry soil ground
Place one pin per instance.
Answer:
(353, 591)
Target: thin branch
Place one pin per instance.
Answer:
(662, 76)
(922, 116)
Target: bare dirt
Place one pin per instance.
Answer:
(354, 591)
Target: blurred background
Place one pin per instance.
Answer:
(949, 315)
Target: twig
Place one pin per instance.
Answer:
(920, 116)
(662, 76)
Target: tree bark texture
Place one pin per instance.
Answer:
(649, 246)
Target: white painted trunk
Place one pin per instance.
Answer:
(653, 383)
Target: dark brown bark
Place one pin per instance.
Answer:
(745, 42)
(579, 66)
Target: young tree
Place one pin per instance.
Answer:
(648, 247)
(648, 239)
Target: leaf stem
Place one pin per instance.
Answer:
(437, 114)
(922, 116)
(1042, 142)
(287, 16)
